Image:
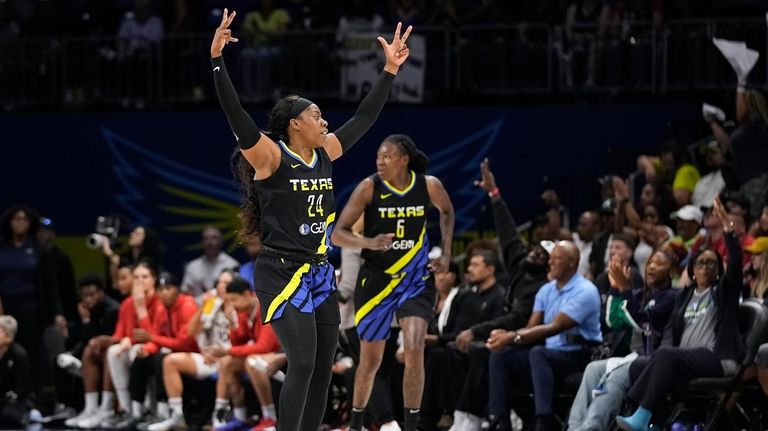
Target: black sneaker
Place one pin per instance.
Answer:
(127, 424)
(220, 417)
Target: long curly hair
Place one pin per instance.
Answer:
(250, 210)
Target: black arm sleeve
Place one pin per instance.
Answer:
(242, 125)
(354, 129)
(512, 247)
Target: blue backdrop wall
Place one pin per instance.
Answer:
(171, 169)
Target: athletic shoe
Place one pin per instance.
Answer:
(265, 424)
(234, 424)
(148, 420)
(390, 426)
(219, 417)
(112, 420)
(175, 422)
(96, 420)
(126, 424)
(86, 413)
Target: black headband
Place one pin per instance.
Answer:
(298, 106)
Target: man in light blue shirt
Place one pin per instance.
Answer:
(566, 318)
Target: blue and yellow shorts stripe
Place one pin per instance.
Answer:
(380, 296)
(281, 282)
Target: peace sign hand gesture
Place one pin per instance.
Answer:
(397, 51)
(223, 34)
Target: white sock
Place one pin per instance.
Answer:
(222, 403)
(124, 399)
(176, 406)
(107, 401)
(91, 401)
(136, 409)
(241, 413)
(268, 411)
(162, 410)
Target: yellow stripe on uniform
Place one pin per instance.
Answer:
(392, 270)
(323, 246)
(287, 291)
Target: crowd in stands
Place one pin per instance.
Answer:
(51, 18)
(645, 294)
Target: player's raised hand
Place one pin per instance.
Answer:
(396, 51)
(487, 180)
(223, 34)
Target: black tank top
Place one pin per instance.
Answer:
(403, 213)
(297, 204)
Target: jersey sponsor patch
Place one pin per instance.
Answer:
(314, 228)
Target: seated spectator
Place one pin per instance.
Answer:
(142, 303)
(756, 277)
(200, 274)
(446, 368)
(98, 314)
(637, 316)
(688, 221)
(714, 238)
(138, 31)
(248, 338)
(658, 195)
(566, 317)
(621, 247)
(122, 285)
(702, 338)
(760, 225)
(263, 29)
(210, 326)
(143, 245)
(166, 330)
(671, 168)
(358, 16)
(16, 408)
(527, 270)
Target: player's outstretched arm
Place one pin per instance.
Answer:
(260, 150)
(396, 52)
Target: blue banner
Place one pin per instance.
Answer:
(171, 169)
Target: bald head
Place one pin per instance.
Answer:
(563, 262)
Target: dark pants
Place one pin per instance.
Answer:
(653, 377)
(310, 348)
(379, 408)
(511, 369)
(445, 372)
(142, 371)
(473, 397)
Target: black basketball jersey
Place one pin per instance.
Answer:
(297, 204)
(403, 213)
